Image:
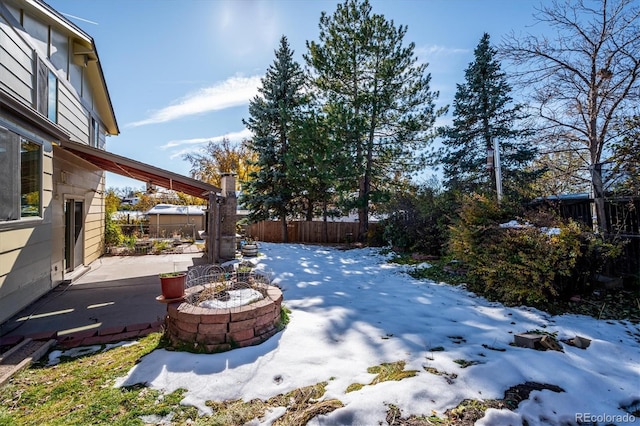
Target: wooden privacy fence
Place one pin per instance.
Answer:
(306, 232)
(623, 221)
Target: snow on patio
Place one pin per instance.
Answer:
(352, 310)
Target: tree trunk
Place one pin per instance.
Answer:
(366, 181)
(325, 226)
(309, 214)
(599, 213)
(363, 209)
(285, 229)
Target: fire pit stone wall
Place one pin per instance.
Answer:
(218, 330)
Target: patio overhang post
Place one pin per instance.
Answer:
(212, 225)
(216, 231)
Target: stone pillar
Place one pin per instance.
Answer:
(228, 217)
(213, 225)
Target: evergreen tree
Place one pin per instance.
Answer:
(482, 112)
(272, 117)
(626, 158)
(377, 97)
(319, 163)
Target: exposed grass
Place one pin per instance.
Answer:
(354, 387)
(390, 371)
(463, 363)
(394, 418)
(449, 377)
(385, 372)
(81, 392)
(285, 316)
(302, 404)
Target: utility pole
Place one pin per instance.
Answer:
(496, 150)
(493, 163)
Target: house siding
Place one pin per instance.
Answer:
(25, 254)
(16, 64)
(82, 182)
(72, 116)
(32, 250)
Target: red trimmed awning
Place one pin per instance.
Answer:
(140, 171)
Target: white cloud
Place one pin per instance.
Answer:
(437, 50)
(180, 142)
(196, 144)
(226, 94)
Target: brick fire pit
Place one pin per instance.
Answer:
(213, 330)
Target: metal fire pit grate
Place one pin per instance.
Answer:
(224, 288)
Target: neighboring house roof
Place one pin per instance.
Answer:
(140, 171)
(578, 196)
(130, 200)
(82, 46)
(177, 210)
(352, 217)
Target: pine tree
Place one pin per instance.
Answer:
(483, 111)
(377, 96)
(319, 164)
(272, 117)
(626, 158)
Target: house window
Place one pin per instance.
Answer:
(30, 178)
(47, 92)
(20, 177)
(95, 133)
(52, 101)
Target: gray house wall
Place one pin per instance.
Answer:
(32, 250)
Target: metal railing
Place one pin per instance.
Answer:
(181, 230)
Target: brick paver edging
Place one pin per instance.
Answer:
(90, 337)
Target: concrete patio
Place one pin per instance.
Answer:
(115, 299)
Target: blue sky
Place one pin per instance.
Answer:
(181, 73)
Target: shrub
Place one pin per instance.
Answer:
(160, 245)
(418, 220)
(515, 265)
(596, 254)
(113, 236)
(130, 241)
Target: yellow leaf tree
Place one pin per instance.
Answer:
(221, 157)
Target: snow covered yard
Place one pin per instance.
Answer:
(351, 310)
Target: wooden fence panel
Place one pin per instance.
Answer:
(305, 232)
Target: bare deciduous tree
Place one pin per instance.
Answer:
(584, 78)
